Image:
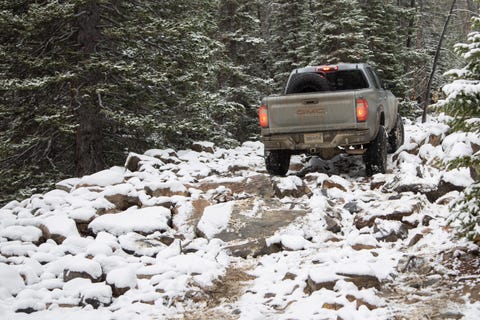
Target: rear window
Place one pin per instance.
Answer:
(346, 80)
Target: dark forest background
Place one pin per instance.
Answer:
(84, 82)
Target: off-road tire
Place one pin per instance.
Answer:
(396, 137)
(277, 162)
(307, 82)
(376, 156)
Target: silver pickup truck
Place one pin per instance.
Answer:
(327, 110)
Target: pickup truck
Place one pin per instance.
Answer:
(331, 109)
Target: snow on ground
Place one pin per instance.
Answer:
(159, 239)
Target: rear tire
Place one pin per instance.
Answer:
(277, 162)
(307, 82)
(376, 155)
(396, 137)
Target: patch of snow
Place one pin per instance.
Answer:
(215, 218)
(23, 233)
(12, 282)
(124, 277)
(458, 177)
(114, 175)
(144, 220)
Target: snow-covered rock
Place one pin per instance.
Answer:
(180, 233)
(145, 220)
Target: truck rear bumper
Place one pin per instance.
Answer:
(316, 140)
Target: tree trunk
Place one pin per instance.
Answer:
(89, 147)
(89, 157)
(435, 62)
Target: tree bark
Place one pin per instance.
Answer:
(435, 62)
(89, 156)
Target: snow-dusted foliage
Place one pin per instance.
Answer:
(462, 104)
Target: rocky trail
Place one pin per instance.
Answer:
(208, 234)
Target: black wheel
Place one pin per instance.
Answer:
(307, 82)
(277, 162)
(376, 155)
(396, 137)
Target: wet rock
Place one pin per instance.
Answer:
(411, 148)
(117, 292)
(435, 139)
(166, 156)
(442, 189)
(360, 246)
(390, 231)
(361, 302)
(329, 184)
(401, 186)
(251, 224)
(291, 186)
(332, 306)
(415, 239)
(475, 147)
(69, 275)
(369, 219)
(414, 264)
(199, 206)
(289, 276)
(133, 162)
(235, 168)
(260, 185)
(82, 227)
(122, 202)
(58, 238)
(451, 315)
(166, 240)
(313, 285)
(139, 245)
(426, 220)
(352, 207)
(332, 224)
(201, 146)
(166, 189)
(222, 195)
(67, 185)
(253, 248)
(27, 310)
(95, 303)
(364, 281)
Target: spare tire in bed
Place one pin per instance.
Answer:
(306, 82)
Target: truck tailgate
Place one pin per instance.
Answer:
(311, 112)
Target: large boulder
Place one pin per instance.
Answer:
(245, 225)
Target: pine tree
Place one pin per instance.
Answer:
(338, 32)
(240, 83)
(383, 34)
(289, 24)
(463, 105)
(84, 81)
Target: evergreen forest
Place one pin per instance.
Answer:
(84, 82)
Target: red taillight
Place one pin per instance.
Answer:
(362, 110)
(263, 116)
(327, 68)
